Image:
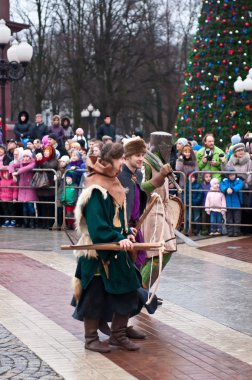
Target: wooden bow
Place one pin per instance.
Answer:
(111, 247)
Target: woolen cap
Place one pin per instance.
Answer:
(182, 140)
(237, 147)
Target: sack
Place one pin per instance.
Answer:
(40, 180)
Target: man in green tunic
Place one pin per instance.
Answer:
(107, 280)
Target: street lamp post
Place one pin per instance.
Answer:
(19, 55)
(92, 114)
(241, 86)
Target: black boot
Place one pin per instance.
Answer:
(91, 337)
(118, 333)
(26, 223)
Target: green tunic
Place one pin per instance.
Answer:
(99, 214)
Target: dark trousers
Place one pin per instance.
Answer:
(233, 217)
(195, 218)
(205, 218)
(46, 210)
(9, 208)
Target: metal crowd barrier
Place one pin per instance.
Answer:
(55, 187)
(202, 207)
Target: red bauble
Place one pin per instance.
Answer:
(187, 120)
(225, 31)
(224, 61)
(230, 92)
(248, 42)
(224, 21)
(211, 41)
(210, 115)
(225, 5)
(231, 51)
(243, 8)
(227, 117)
(215, 96)
(221, 44)
(233, 126)
(187, 107)
(224, 97)
(246, 24)
(240, 51)
(246, 68)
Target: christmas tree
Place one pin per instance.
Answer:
(222, 51)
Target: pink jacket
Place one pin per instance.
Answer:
(25, 177)
(215, 201)
(8, 193)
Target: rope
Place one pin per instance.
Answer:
(152, 239)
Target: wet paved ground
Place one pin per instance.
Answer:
(203, 331)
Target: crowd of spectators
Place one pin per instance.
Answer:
(61, 153)
(217, 184)
(214, 197)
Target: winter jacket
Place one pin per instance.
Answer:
(38, 131)
(206, 166)
(106, 130)
(185, 166)
(58, 130)
(22, 129)
(51, 164)
(76, 174)
(215, 201)
(235, 199)
(8, 193)
(242, 166)
(197, 196)
(25, 178)
(69, 195)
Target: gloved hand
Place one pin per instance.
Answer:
(165, 170)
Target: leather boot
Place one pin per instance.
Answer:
(118, 333)
(104, 327)
(92, 342)
(133, 333)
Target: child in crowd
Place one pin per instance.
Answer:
(76, 163)
(215, 206)
(231, 186)
(80, 136)
(69, 197)
(197, 195)
(186, 163)
(26, 193)
(8, 194)
(63, 162)
(205, 218)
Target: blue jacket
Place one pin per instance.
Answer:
(197, 196)
(235, 199)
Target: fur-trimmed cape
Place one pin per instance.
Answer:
(81, 225)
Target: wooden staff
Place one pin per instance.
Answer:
(111, 247)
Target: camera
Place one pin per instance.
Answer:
(221, 155)
(209, 154)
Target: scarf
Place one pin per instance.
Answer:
(104, 175)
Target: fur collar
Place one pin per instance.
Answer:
(240, 161)
(81, 221)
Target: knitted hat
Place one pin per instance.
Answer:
(182, 140)
(79, 131)
(69, 174)
(134, 145)
(237, 147)
(53, 136)
(27, 152)
(197, 147)
(235, 139)
(66, 159)
(214, 181)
